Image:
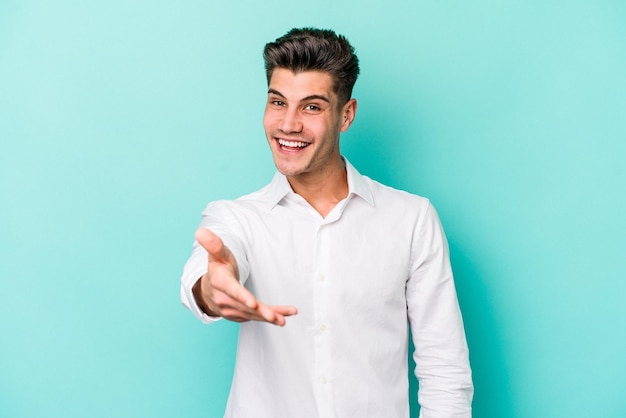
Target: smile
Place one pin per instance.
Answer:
(292, 144)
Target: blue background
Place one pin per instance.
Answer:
(120, 120)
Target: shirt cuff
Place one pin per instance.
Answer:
(192, 272)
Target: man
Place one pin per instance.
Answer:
(337, 261)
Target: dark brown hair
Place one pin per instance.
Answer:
(311, 49)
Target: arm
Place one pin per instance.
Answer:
(220, 294)
(211, 284)
(441, 354)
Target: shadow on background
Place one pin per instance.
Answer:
(493, 395)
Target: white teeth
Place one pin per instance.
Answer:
(292, 144)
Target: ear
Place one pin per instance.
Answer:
(348, 112)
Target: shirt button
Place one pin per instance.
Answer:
(323, 380)
(322, 327)
(321, 277)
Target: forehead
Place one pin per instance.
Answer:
(301, 84)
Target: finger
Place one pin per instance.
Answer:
(239, 316)
(267, 314)
(285, 310)
(236, 291)
(235, 311)
(276, 314)
(236, 316)
(212, 244)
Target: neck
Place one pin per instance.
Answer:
(324, 189)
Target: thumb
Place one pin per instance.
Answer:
(212, 244)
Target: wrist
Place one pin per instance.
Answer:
(196, 290)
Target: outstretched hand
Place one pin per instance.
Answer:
(219, 292)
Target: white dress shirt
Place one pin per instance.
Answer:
(377, 263)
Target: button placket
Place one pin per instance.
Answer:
(323, 362)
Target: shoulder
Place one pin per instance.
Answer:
(235, 217)
(390, 197)
(252, 201)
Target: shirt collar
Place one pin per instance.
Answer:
(358, 184)
(279, 187)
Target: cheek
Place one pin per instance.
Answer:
(268, 125)
(272, 121)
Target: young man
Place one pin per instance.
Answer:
(341, 263)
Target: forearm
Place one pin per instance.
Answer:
(445, 377)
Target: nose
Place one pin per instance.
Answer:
(291, 123)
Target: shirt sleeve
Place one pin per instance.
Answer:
(221, 221)
(441, 353)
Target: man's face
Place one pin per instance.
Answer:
(302, 121)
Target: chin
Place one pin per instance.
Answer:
(289, 169)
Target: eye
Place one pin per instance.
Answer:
(312, 108)
(277, 102)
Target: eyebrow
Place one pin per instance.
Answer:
(305, 99)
